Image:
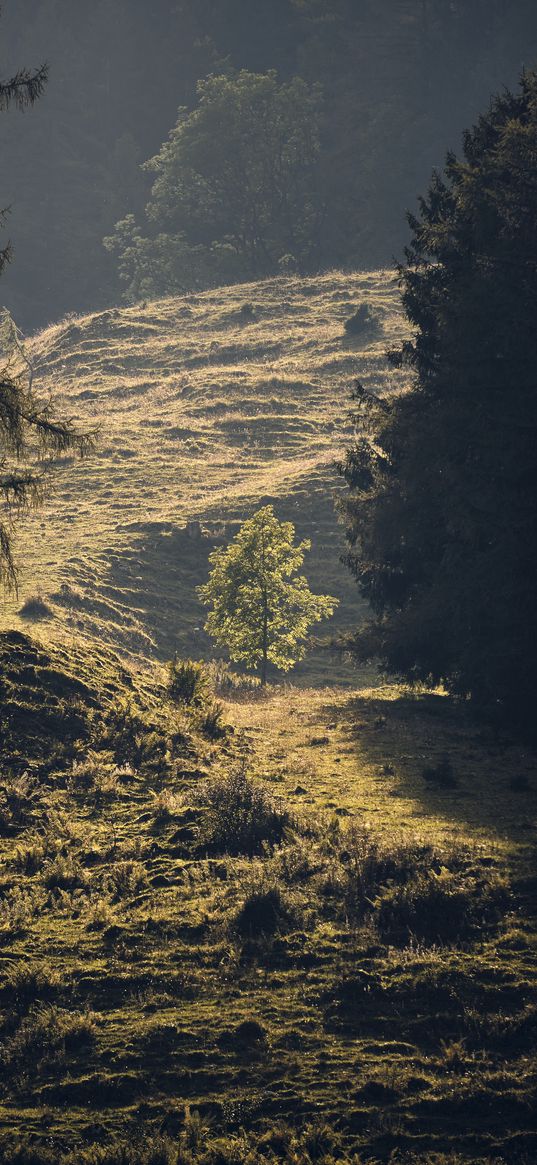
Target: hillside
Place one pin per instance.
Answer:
(292, 926)
(208, 406)
(276, 944)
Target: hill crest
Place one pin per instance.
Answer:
(208, 405)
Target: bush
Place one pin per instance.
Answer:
(227, 682)
(363, 321)
(241, 816)
(19, 802)
(127, 878)
(47, 1034)
(64, 873)
(35, 608)
(441, 907)
(188, 682)
(211, 721)
(263, 913)
(133, 737)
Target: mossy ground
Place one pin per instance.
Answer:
(363, 987)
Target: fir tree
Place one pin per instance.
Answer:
(442, 511)
(29, 431)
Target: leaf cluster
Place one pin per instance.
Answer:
(260, 609)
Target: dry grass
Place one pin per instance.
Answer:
(357, 984)
(205, 412)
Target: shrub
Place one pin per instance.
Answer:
(30, 858)
(64, 873)
(127, 878)
(227, 682)
(211, 721)
(133, 737)
(363, 321)
(35, 608)
(47, 1033)
(263, 913)
(17, 911)
(19, 800)
(188, 682)
(241, 816)
(26, 983)
(97, 773)
(441, 907)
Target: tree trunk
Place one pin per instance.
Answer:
(264, 659)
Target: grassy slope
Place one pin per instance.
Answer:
(209, 405)
(125, 976)
(391, 1005)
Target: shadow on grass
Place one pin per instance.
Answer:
(415, 738)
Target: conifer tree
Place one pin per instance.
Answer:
(442, 509)
(29, 431)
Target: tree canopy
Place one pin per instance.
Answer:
(398, 78)
(261, 609)
(237, 188)
(442, 508)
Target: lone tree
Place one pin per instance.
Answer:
(261, 609)
(29, 431)
(442, 510)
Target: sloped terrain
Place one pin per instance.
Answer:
(295, 926)
(207, 407)
(310, 939)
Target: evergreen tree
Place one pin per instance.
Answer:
(442, 511)
(261, 610)
(29, 431)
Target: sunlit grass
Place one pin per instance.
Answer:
(205, 412)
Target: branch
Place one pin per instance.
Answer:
(24, 88)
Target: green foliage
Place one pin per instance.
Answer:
(241, 815)
(47, 1034)
(262, 913)
(398, 77)
(211, 721)
(442, 509)
(188, 682)
(236, 188)
(260, 611)
(443, 906)
(227, 682)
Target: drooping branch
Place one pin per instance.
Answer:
(24, 88)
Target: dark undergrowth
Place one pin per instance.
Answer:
(192, 973)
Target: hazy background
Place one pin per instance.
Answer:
(401, 78)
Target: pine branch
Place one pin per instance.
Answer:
(24, 88)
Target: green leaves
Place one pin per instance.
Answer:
(259, 610)
(235, 191)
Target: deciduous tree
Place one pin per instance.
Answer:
(261, 609)
(236, 190)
